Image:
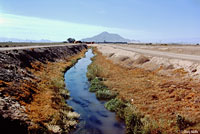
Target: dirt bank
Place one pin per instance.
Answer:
(166, 102)
(150, 58)
(32, 99)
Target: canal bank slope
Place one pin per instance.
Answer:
(32, 95)
(155, 103)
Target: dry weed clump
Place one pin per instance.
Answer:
(159, 99)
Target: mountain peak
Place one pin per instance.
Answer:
(104, 32)
(106, 37)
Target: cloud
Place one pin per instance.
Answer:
(23, 27)
(2, 21)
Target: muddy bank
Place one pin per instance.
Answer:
(29, 98)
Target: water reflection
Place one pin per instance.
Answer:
(94, 119)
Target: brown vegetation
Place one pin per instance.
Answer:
(42, 95)
(168, 104)
(49, 106)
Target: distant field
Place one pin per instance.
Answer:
(163, 44)
(18, 44)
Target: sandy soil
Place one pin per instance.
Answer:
(151, 57)
(179, 52)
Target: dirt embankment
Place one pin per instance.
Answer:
(166, 93)
(150, 58)
(32, 99)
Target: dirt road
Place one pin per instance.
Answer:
(157, 53)
(144, 50)
(28, 47)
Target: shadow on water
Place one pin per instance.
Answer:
(94, 119)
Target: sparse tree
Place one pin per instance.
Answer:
(71, 40)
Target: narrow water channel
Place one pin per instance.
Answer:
(94, 119)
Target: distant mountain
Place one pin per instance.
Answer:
(5, 39)
(107, 37)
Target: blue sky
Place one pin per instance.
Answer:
(146, 20)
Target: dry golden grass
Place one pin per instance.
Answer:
(159, 98)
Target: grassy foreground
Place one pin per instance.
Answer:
(48, 111)
(148, 102)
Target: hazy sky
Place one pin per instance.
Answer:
(134, 19)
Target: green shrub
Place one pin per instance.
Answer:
(93, 71)
(105, 94)
(96, 85)
(150, 126)
(116, 105)
(133, 121)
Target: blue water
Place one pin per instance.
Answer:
(94, 118)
